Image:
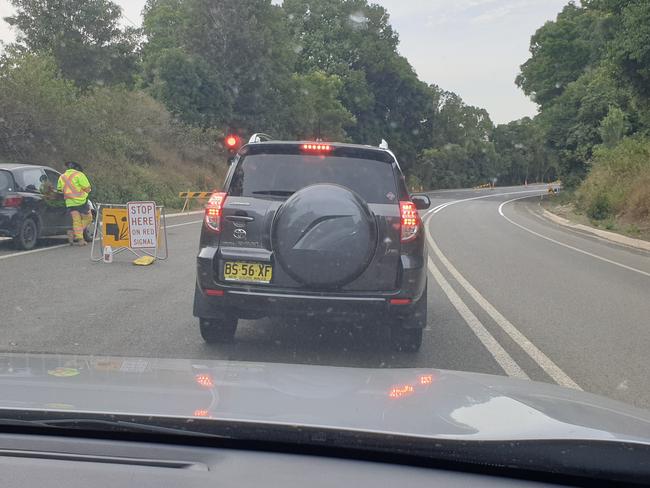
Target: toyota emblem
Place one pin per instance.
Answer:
(239, 234)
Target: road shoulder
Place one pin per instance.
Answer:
(603, 234)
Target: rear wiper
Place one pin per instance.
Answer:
(277, 193)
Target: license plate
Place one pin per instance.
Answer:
(251, 272)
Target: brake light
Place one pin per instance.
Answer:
(317, 147)
(410, 221)
(12, 201)
(214, 211)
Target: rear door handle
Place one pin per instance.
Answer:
(239, 218)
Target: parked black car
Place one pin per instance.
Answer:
(30, 206)
(313, 229)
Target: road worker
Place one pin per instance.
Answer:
(75, 188)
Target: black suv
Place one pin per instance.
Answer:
(313, 229)
(30, 206)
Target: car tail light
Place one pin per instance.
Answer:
(316, 147)
(410, 221)
(214, 211)
(12, 201)
(400, 301)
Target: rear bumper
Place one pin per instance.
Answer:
(9, 220)
(257, 301)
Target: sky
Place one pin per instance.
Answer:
(471, 47)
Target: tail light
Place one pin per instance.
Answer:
(410, 221)
(214, 211)
(12, 201)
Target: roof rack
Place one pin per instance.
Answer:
(259, 137)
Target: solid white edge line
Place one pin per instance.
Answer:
(58, 246)
(552, 369)
(184, 223)
(595, 256)
(22, 253)
(442, 206)
(182, 214)
(507, 363)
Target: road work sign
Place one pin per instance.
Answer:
(143, 228)
(136, 227)
(115, 227)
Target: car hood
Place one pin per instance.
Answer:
(420, 402)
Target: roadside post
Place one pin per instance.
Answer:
(137, 227)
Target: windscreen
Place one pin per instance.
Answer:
(506, 231)
(6, 180)
(280, 175)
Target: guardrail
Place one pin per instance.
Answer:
(485, 185)
(193, 195)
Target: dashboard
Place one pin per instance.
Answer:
(40, 461)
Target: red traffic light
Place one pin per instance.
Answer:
(233, 142)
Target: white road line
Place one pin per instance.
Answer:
(552, 369)
(184, 223)
(595, 256)
(507, 363)
(183, 214)
(442, 206)
(41, 249)
(58, 246)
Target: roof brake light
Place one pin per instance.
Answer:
(317, 147)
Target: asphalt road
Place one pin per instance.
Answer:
(509, 293)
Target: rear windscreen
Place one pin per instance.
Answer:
(6, 181)
(264, 175)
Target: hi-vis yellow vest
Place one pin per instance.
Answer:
(73, 183)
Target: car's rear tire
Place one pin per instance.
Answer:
(406, 331)
(27, 235)
(218, 330)
(88, 233)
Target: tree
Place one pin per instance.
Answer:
(83, 36)
(239, 59)
(354, 41)
(317, 111)
(613, 127)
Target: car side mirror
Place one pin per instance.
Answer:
(422, 202)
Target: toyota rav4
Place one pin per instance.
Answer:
(316, 230)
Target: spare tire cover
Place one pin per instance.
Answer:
(324, 236)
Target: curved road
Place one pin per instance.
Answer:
(509, 293)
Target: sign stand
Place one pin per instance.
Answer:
(112, 229)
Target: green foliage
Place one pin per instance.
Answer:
(618, 183)
(83, 36)
(220, 62)
(318, 111)
(129, 144)
(613, 127)
(589, 71)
